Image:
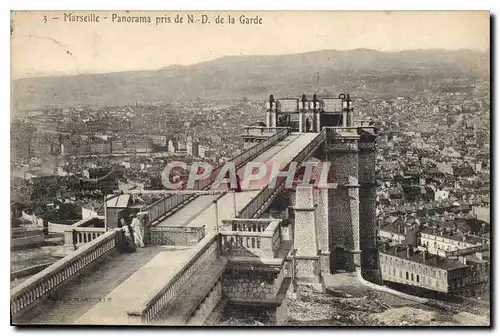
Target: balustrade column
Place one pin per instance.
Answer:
(69, 241)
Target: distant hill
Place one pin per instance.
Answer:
(250, 76)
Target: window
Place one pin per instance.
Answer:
(418, 278)
(407, 276)
(394, 271)
(412, 277)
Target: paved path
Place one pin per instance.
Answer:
(66, 305)
(202, 210)
(137, 288)
(225, 205)
(186, 214)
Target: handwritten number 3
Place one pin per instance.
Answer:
(44, 19)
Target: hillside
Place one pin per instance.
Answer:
(253, 76)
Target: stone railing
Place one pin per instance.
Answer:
(259, 130)
(206, 252)
(172, 235)
(161, 207)
(83, 235)
(30, 292)
(341, 131)
(245, 224)
(263, 244)
(266, 195)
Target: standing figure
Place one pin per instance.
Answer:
(138, 232)
(129, 234)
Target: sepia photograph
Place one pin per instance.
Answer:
(250, 168)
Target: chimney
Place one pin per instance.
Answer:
(424, 255)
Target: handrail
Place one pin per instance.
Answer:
(204, 253)
(36, 287)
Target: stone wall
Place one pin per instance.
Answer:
(280, 314)
(207, 306)
(252, 285)
(306, 268)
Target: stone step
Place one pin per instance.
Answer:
(190, 297)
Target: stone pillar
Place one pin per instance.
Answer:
(274, 119)
(344, 118)
(342, 152)
(69, 242)
(305, 237)
(321, 221)
(268, 118)
(301, 121)
(367, 194)
(318, 122)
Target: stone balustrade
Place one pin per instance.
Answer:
(83, 235)
(172, 235)
(259, 130)
(246, 224)
(258, 148)
(262, 244)
(207, 251)
(161, 207)
(30, 292)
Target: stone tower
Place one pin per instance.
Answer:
(334, 227)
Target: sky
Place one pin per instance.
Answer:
(57, 47)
